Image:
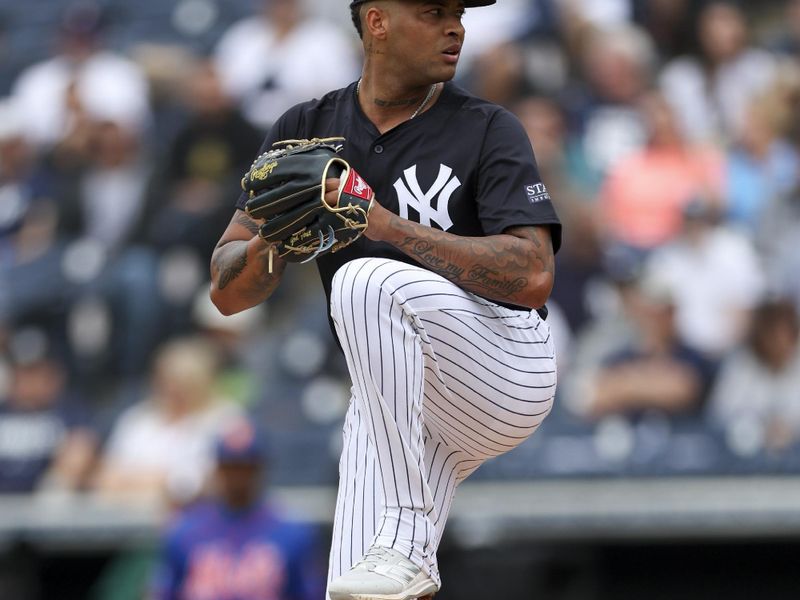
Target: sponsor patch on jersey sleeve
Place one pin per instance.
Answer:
(536, 192)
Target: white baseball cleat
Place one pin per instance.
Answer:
(383, 574)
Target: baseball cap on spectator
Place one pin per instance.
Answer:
(240, 442)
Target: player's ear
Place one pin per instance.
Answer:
(376, 20)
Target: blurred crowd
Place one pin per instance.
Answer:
(667, 132)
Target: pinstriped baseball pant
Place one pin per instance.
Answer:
(442, 381)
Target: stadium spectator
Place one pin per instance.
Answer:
(758, 388)
(46, 442)
(234, 546)
(616, 68)
(207, 158)
(779, 243)
(102, 193)
(275, 59)
(656, 372)
(711, 90)
(27, 224)
(160, 448)
(514, 49)
(669, 23)
(613, 297)
(762, 167)
(102, 190)
(616, 297)
(507, 22)
(716, 280)
(642, 200)
(82, 80)
(70, 257)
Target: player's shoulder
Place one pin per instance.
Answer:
(325, 102)
(311, 110)
(487, 124)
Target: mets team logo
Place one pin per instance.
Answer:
(410, 194)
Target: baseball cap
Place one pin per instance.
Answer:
(240, 442)
(467, 3)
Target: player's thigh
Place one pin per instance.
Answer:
(490, 375)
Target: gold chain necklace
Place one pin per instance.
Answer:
(427, 99)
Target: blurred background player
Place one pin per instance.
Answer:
(233, 546)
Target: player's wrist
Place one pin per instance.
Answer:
(379, 228)
(265, 254)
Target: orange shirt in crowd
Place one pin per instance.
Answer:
(643, 197)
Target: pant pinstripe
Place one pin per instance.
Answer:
(442, 381)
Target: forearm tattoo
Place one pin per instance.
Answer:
(230, 263)
(542, 254)
(246, 222)
(231, 270)
(493, 266)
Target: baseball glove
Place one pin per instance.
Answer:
(286, 186)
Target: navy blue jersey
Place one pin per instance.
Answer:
(211, 553)
(464, 166)
(30, 440)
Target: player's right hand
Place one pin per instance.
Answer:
(332, 191)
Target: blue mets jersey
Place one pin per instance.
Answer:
(212, 553)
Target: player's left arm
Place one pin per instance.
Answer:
(516, 266)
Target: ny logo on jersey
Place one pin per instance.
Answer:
(410, 194)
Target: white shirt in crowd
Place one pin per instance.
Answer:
(714, 284)
(270, 75)
(108, 86)
(712, 109)
(143, 440)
